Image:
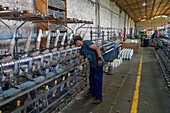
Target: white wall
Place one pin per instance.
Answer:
(82, 9)
(26, 28)
(21, 5)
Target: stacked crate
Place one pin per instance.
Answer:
(57, 3)
(57, 9)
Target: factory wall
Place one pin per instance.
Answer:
(20, 5)
(84, 9)
(26, 28)
(81, 9)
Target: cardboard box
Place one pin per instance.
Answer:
(131, 44)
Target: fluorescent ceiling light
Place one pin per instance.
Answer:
(143, 20)
(164, 16)
(144, 4)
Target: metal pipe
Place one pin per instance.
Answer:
(102, 37)
(91, 35)
(99, 28)
(97, 3)
(6, 26)
(108, 35)
(45, 26)
(80, 27)
(21, 25)
(16, 44)
(34, 2)
(24, 60)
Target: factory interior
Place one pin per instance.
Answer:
(84, 56)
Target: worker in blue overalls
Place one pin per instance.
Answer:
(90, 51)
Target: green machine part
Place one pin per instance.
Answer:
(142, 34)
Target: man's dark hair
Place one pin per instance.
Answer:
(77, 37)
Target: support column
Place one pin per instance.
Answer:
(120, 12)
(97, 14)
(42, 8)
(124, 35)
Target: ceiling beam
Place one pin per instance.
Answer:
(146, 8)
(135, 9)
(138, 8)
(152, 8)
(130, 8)
(163, 7)
(141, 7)
(132, 4)
(165, 11)
(123, 9)
(120, 6)
(158, 7)
(150, 18)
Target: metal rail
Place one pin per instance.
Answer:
(49, 91)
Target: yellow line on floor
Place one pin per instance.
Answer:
(136, 93)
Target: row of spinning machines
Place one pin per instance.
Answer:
(47, 79)
(41, 80)
(163, 50)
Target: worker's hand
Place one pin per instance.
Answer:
(99, 63)
(74, 64)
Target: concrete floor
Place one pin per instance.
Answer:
(118, 89)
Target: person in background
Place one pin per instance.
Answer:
(153, 36)
(90, 51)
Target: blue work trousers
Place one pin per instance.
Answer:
(96, 80)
